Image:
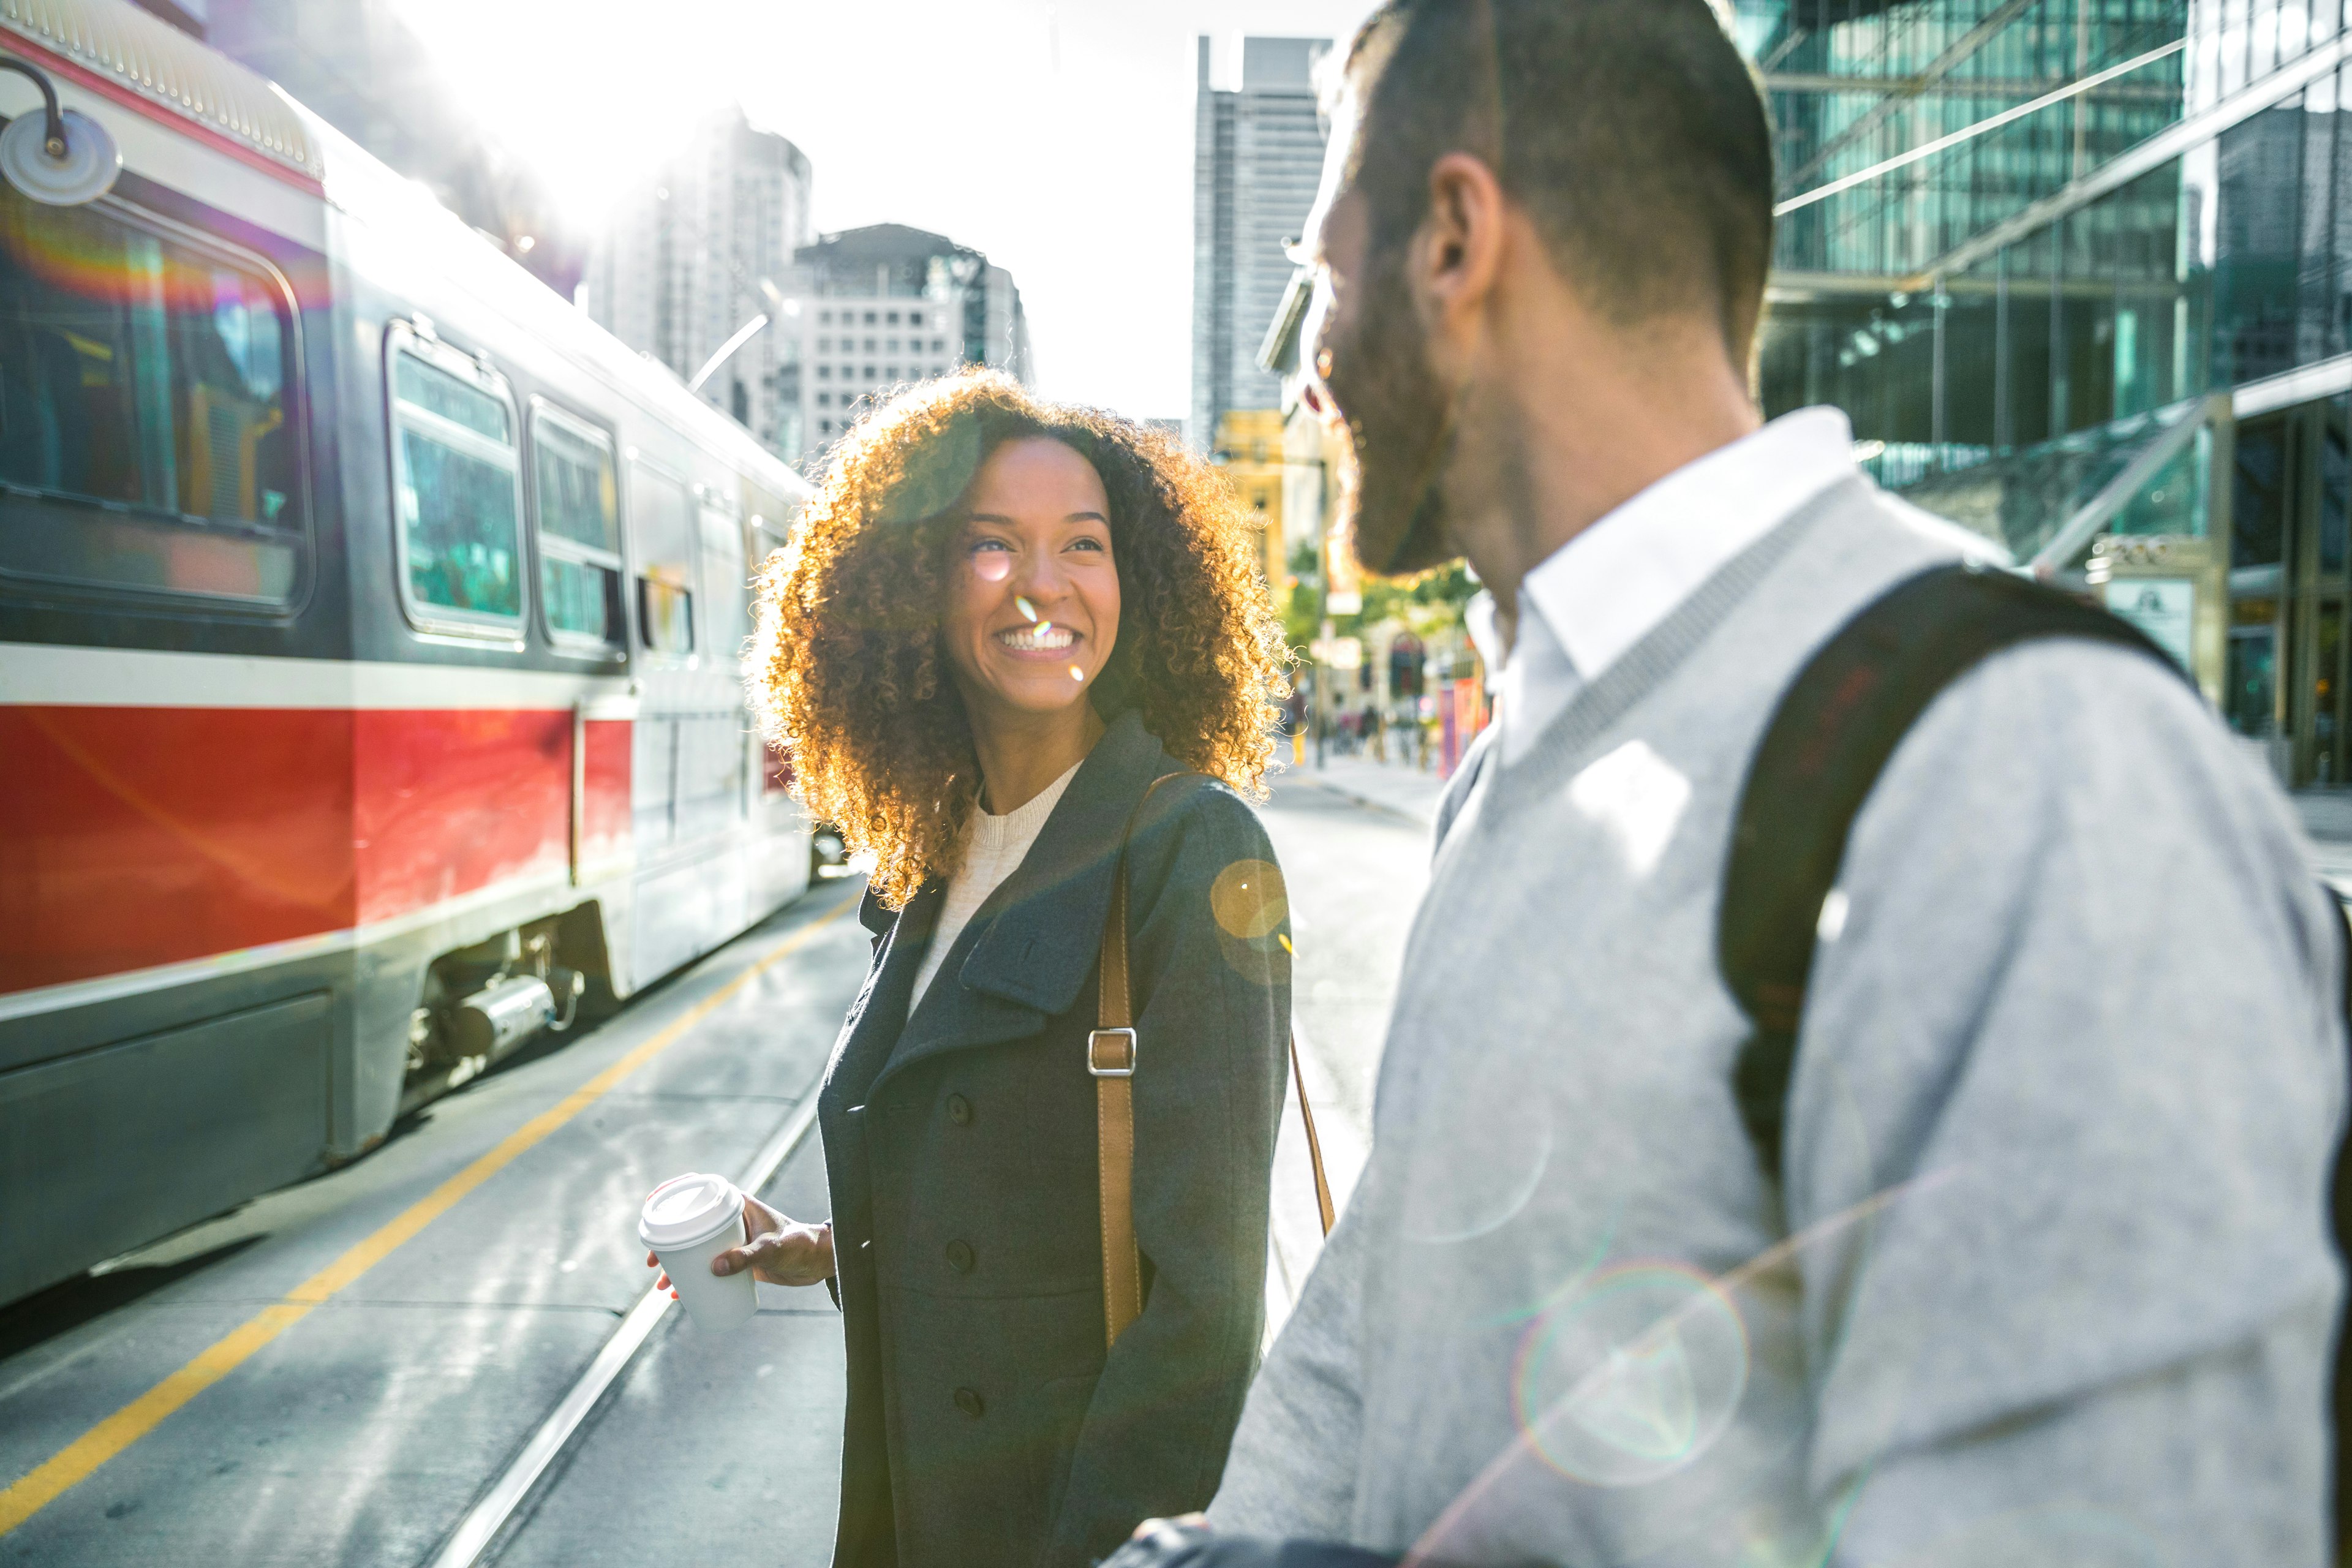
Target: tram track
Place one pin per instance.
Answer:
(486, 1525)
(77, 1461)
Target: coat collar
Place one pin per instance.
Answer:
(1026, 954)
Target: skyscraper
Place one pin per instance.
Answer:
(690, 258)
(1257, 156)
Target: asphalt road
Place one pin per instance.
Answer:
(390, 1347)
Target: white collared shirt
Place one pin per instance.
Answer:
(1597, 595)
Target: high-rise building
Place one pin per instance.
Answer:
(868, 310)
(2081, 273)
(358, 64)
(1257, 157)
(692, 256)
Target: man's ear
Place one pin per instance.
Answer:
(1460, 254)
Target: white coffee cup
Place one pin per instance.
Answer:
(687, 1221)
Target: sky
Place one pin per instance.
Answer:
(1055, 135)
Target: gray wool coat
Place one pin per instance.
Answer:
(986, 1425)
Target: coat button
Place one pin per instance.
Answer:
(960, 1257)
(969, 1403)
(959, 1111)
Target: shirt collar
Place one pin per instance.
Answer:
(1603, 591)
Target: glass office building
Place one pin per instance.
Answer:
(2115, 301)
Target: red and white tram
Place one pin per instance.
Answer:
(369, 688)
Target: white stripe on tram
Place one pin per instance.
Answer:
(49, 674)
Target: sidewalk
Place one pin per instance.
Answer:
(1396, 787)
(2327, 819)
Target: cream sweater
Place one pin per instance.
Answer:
(991, 850)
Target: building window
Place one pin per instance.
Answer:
(894, 317)
(938, 369)
(892, 345)
(869, 372)
(825, 373)
(825, 317)
(824, 427)
(578, 513)
(824, 400)
(939, 345)
(914, 317)
(824, 345)
(870, 349)
(869, 318)
(457, 482)
(891, 374)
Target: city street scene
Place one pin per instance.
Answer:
(1253, 784)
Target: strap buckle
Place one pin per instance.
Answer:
(1120, 1068)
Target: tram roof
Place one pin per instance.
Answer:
(150, 59)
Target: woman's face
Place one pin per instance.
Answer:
(1032, 607)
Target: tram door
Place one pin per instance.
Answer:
(2289, 589)
(664, 523)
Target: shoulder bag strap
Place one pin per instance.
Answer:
(1833, 731)
(1111, 1057)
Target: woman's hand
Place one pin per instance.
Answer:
(781, 1251)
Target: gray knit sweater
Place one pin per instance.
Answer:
(2051, 1283)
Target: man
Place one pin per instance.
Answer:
(2044, 1276)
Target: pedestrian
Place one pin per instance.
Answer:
(1369, 727)
(2041, 1271)
(1023, 655)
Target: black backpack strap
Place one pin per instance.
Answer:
(1835, 727)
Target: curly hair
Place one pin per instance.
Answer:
(848, 674)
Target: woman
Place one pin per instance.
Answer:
(1019, 653)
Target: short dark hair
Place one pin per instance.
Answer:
(1631, 131)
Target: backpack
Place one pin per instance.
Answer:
(1836, 726)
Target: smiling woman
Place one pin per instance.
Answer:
(857, 670)
(1022, 656)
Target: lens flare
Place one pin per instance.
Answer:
(1077, 674)
(1632, 1376)
(1028, 611)
(1249, 900)
(993, 566)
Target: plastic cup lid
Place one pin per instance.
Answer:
(687, 1209)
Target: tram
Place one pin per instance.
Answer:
(370, 696)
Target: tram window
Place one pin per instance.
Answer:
(579, 530)
(665, 539)
(726, 578)
(151, 376)
(457, 476)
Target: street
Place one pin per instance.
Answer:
(348, 1370)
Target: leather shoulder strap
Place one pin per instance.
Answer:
(1112, 1056)
(1830, 738)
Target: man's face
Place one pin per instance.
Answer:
(1374, 380)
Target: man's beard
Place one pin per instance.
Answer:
(1399, 430)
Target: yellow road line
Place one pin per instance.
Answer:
(78, 1460)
